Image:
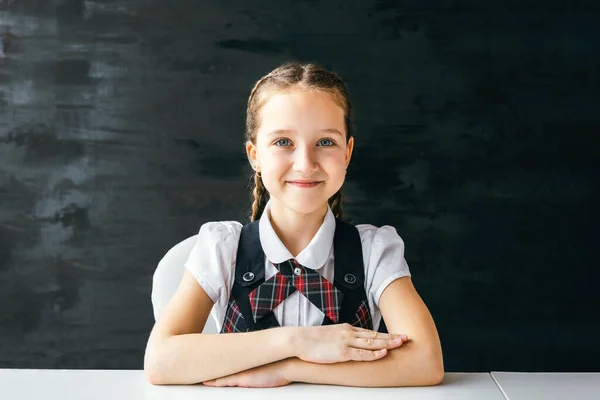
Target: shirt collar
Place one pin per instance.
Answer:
(313, 256)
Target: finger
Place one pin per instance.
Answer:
(375, 344)
(222, 382)
(366, 355)
(369, 332)
(209, 383)
(366, 333)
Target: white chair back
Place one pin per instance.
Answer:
(167, 277)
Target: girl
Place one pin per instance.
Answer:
(287, 313)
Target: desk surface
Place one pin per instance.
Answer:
(548, 386)
(131, 385)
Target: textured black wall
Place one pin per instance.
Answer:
(121, 132)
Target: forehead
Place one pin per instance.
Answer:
(301, 109)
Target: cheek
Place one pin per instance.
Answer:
(334, 163)
(275, 162)
(273, 168)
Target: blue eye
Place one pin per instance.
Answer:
(278, 142)
(331, 142)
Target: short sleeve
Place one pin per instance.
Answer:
(212, 259)
(383, 252)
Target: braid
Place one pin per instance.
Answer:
(335, 202)
(261, 196)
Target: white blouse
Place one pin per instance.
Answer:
(212, 263)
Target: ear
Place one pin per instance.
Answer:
(349, 148)
(251, 153)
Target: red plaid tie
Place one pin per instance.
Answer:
(292, 276)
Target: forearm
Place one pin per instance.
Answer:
(193, 358)
(408, 365)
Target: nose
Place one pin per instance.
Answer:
(305, 160)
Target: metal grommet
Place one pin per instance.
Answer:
(248, 276)
(349, 278)
(297, 271)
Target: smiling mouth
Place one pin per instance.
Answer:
(304, 184)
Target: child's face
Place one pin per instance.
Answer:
(301, 149)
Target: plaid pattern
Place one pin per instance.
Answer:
(269, 295)
(310, 283)
(363, 316)
(234, 320)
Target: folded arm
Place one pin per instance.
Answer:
(177, 353)
(418, 362)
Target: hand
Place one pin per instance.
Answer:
(344, 342)
(265, 376)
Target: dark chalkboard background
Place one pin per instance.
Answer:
(478, 138)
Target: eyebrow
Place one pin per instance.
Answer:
(283, 131)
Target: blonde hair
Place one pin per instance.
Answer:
(284, 78)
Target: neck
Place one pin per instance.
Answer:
(295, 230)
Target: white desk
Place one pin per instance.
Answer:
(548, 386)
(33, 384)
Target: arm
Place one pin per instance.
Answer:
(178, 354)
(418, 362)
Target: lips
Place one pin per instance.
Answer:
(303, 183)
